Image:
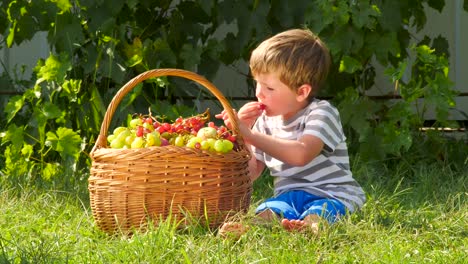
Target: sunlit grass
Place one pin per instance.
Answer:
(413, 215)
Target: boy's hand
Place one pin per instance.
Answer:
(247, 114)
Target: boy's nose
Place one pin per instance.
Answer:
(258, 92)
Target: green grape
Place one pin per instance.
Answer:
(118, 130)
(223, 145)
(124, 134)
(129, 139)
(136, 122)
(228, 145)
(110, 138)
(192, 141)
(138, 142)
(211, 142)
(205, 145)
(218, 145)
(117, 143)
(150, 127)
(179, 141)
(152, 139)
(166, 135)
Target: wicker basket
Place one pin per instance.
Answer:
(128, 187)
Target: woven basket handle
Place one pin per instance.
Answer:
(101, 141)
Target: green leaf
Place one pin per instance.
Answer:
(27, 151)
(349, 64)
(391, 16)
(14, 134)
(364, 15)
(397, 73)
(65, 141)
(51, 111)
(63, 5)
(98, 109)
(55, 69)
(318, 18)
(346, 40)
(67, 34)
(191, 56)
(382, 44)
(164, 53)
(11, 35)
(71, 88)
(465, 5)
(13, 106)
(50, 170)
(425, 54)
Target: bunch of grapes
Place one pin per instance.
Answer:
(192, 132)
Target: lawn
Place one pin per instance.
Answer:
(414, 214)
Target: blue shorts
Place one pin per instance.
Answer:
(298, 204)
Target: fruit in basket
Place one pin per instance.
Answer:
(223, 145)
(207, 132)
(192, 132)
(138, 142)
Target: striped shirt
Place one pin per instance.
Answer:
(328, 174)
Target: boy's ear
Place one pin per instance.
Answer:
(303, 92)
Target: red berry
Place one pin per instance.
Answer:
(166, 126)
(212, 124)
(139, 131)
(262, 107)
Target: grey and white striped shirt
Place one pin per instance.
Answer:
(329, 174)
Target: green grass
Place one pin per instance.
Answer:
(413, 215)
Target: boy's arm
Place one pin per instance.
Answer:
(296, 153)
(256, 167)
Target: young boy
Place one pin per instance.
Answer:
(298, 137)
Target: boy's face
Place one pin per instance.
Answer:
(278, 98)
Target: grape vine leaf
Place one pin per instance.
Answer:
(391, 16)
(14, 134)
(67, 33)
(51, 111)
(63, 5)
(191, 56)
(13, 106)
(54, 69)
(365, 15)
(71, 88)
(65, 141)
(349, 64)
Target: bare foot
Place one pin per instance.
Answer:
(232, 230)
(310, 223)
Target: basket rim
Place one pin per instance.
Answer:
(101, 141)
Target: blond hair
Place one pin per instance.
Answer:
(297, 55)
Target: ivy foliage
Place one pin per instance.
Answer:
(98, 45)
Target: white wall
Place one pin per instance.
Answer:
(26, 55)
